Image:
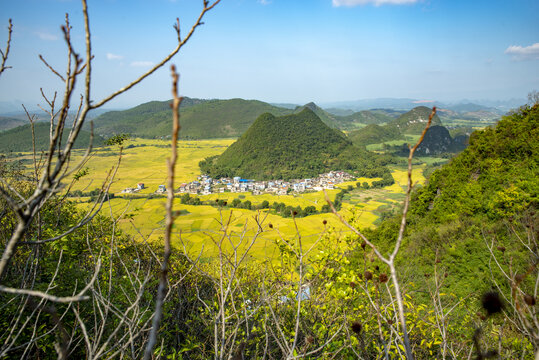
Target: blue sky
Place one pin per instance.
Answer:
(285, 50)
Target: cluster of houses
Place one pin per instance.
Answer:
(206, 185)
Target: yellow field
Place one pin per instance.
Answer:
(147, 164)
(195, 229)
(197, 225)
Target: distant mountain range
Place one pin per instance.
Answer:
(206, 119)
(500, 107)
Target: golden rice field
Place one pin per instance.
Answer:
(198, 225)
(147, 164)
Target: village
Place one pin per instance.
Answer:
(205, 185)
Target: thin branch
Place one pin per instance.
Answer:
(51, 68)
(207, 8)
(5, 54)
(169, 218)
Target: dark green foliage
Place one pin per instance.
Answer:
(292, 147)
(116, 140)
(199, 119)
(20, 138)
(188, 200)
(280, 209)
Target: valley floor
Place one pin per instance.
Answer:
(142, 215)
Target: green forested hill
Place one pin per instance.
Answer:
(19, 139)
(373, 133)
(292, 146)
(200, 119)
(438, 140)
(414, 121)
(488, 194)
(328, 119)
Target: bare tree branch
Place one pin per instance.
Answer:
(169, 218)
(5, 54)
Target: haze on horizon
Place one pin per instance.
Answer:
(285, 52)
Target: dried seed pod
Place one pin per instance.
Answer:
(383, 278)
(501, 248)
(356, 327)
(324, 222)
(368, 275)
(270, 225)
(529, 299)
(492, 302)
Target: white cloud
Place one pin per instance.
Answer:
(523, 53)
(264, 2)
(142, 63)
(351, 3)
(114, 57)
(46, 36)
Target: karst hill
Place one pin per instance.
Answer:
(294, 146)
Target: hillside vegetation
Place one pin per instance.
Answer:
(19, 139)
(373, 134)
(327, 118)
(413, 122)
(293, 146)
(366, 117)
(410, 124)
(488, 193)
(200, 119)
